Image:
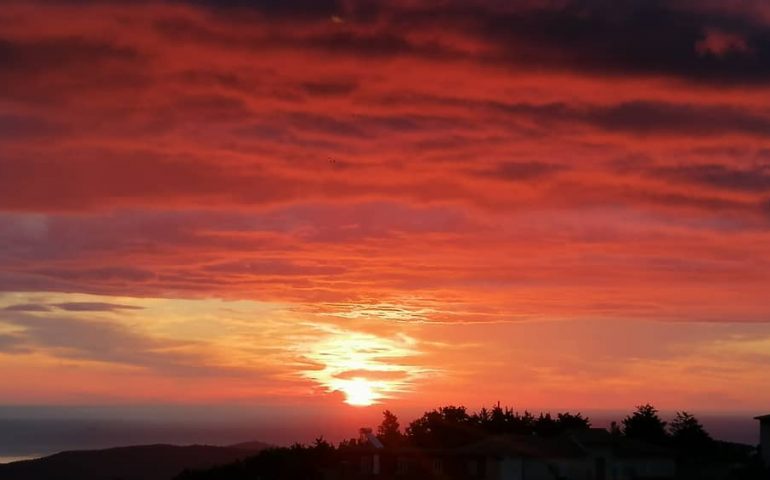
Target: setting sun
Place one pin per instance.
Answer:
(358, 392)
(366, 368)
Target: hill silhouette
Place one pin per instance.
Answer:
(141, 462)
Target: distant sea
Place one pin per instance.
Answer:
(30, 432)
(17, 458)
(729, 427)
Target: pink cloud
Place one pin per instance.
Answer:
(720, 43)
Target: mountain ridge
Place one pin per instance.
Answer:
(135, 462)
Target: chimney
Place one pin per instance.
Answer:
(366, 437)
(363, 434)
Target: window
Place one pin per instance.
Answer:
(402, 465)
(366, 464)
(473, 468)
(600, 468)
(376, 464)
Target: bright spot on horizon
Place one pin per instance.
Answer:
(358, 392)
(366, 368)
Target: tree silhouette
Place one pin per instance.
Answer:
(388, 432)
(297, 462)
(689, 436)
(501, 420)
(504, 420)
(645, 424)
(546, 425)
(567, 421)
(482, 417)
(445, 427)
(453, 426)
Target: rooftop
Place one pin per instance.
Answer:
(524, 446)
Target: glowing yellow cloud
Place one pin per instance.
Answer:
(359, 392)
(365, 367)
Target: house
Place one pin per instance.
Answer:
(764, 438)
(519, 457)
(592, 454)
(620, 458)
(370, 463)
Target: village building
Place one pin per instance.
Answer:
(764, 438)
(592, 454)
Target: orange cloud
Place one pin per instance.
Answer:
(444, 175)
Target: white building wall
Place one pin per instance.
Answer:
(580, 469)
(601, 456)
(548, 469)
(574, 469)
(629, 469)
(511, 469)
(537, 470)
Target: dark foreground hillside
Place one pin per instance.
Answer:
(450, 443)
(145, 462)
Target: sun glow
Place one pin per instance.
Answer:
(362, 366)
(359, 392)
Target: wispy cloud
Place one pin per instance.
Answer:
(385, 171)
(365, 367)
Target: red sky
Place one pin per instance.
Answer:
(554, 204)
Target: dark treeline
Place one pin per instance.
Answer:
(451, 426)
(454, 426)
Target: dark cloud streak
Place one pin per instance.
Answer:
(94, 307)
(95, 340)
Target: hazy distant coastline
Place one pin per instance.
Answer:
(18, 458)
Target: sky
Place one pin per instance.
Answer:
(555, 204)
